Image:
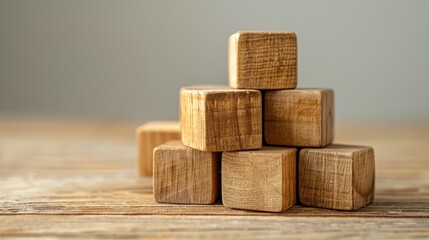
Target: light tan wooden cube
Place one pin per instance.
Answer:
(299, 117)
(337, 177)
(216, 119)
(261, 180)
(150, 135)
(263, 60)
(185, 175)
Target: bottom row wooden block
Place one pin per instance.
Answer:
(149, 136)
(336, 177)
(263, 180)
(185, 175)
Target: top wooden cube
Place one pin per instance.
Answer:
(263, 60)
(216, 119)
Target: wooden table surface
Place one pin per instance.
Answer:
(77, 179)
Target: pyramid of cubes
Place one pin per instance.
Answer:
(260, 143)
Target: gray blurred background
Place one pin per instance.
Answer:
(127, 60)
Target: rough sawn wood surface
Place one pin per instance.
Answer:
(78, 180)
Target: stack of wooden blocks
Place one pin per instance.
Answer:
(260, 143)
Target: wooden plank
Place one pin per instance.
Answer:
(217, 119)
(149, 136)
(65, 189)
(210, 227)
(337, 176)
(263, 60)
(260, 180)
(185, 175)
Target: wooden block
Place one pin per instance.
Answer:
(150, 135)
(219, 119)
(263, 60)
(262, 180)
(185, 175)
(337, 177)
(299, 117)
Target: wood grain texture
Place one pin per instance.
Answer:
(210, 227)
(337, 177)
(219, 119)
(261, 180)
(149, 136)
(76, 179)
(299, 117)
(185, 175)
(263, 60)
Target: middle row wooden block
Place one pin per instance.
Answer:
(217, 119)
(299, 117)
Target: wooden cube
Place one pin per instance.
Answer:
(263, 60)
(261, 180)
(218, 119)
(185, 175)
(150, 135)
(337, 177)
(299, 117)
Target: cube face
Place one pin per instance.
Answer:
(261, 180)
(337, 177)
(263, 60)
(300, 117)
(149, 136)
(185, 175)
(364, 168)
(221, 119)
